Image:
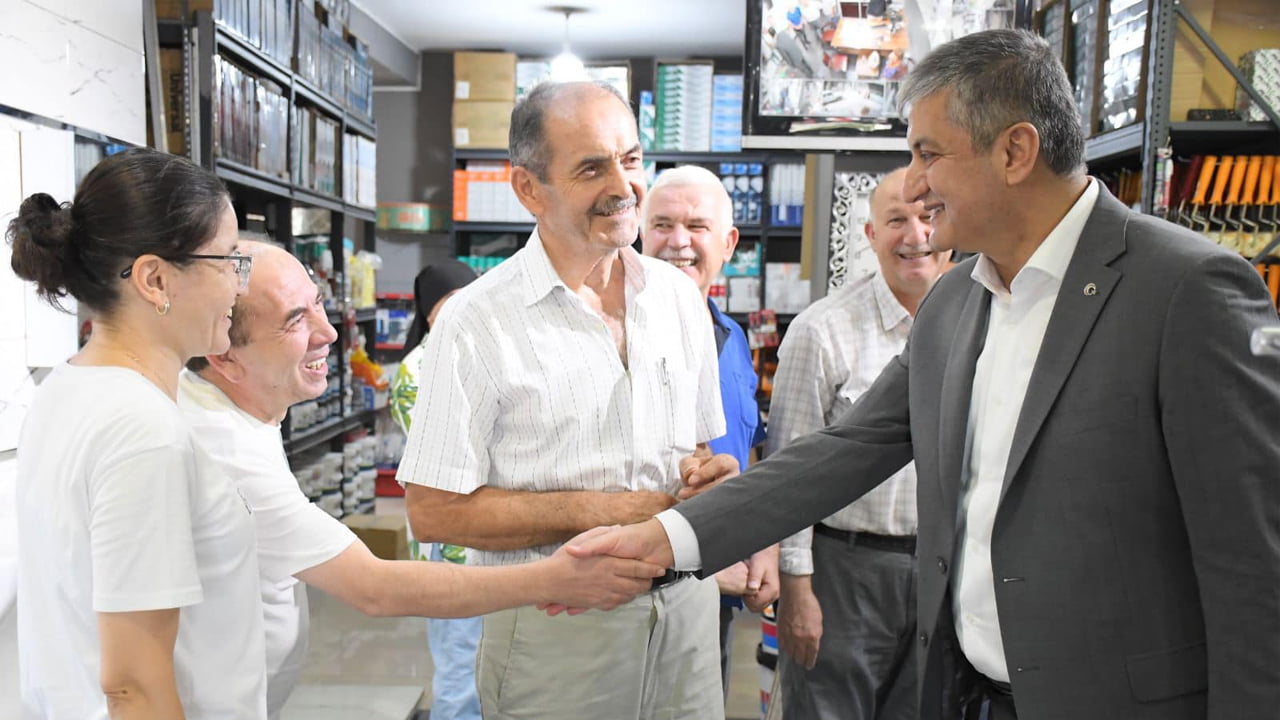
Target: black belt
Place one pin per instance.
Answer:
(670, 577)
(892, 543)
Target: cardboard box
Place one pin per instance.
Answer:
(482, 124)
(386, 536)
(484, 76)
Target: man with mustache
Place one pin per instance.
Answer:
(846, 616)
(561, 391)
(688, 222)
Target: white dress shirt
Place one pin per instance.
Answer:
(1015, 331)
(832, 353)
(522, 388)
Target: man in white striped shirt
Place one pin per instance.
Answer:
(560, 392)
(846, 617)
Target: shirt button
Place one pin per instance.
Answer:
(942, 566)
(924, 640)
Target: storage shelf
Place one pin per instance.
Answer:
(252, 178)
(360, 212)
(361, 126)
(312, 95)
(325, 431)
(239, 48)
(1236, 137)
(1125, 141)
(364, 315)
(494, 227)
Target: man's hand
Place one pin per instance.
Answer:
(733, 579)
(702, 471)
(597, 582)
(799, 620)
(642, 541)
(762, 579)
(646, 541)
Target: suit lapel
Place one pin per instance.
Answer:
(957, 392)
(1085, 289)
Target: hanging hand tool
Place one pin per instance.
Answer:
(1240, 229)
(1252, 215)
(1270, 227)
(1198, 220)
(1213, 228)
(1181, 213)
(1228, 227)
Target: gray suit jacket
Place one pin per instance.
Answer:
(1136, 546)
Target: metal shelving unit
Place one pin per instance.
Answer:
(1139, 144)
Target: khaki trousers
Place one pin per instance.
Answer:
(655, 658)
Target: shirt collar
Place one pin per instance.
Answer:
(891, 311)
(540, 276)
(1051, 259)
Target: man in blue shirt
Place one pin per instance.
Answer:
(688, 221)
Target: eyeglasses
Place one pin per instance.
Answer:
(243, 264)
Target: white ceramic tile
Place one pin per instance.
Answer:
(118, 20)
(56, 68)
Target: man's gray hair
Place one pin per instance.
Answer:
(997, 78)
(694, 176)
(527, 139)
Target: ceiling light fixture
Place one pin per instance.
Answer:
(567, 67)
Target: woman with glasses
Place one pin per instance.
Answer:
(137, 591)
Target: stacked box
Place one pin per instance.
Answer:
(1262, 69)
(684, 107)
(484, 76)
(484, 94)
(482, 193)
(726, 113)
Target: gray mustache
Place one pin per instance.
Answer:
(612, 206)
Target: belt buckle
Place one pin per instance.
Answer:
(670, 577)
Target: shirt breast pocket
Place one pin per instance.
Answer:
(677, 404)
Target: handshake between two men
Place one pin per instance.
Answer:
(627, 558)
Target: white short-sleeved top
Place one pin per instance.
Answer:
(115, 516)
(522, 388)
(293, 534)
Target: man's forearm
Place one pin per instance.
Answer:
(494, 519)
(385, 588)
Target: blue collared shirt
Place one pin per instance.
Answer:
(737, 390)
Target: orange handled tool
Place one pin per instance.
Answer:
(1214, 230)
(1197, 218)
(1246, 226)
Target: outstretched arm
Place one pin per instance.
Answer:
(407, 587)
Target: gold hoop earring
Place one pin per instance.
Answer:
(163, 309)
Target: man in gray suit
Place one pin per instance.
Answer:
(1099, 475)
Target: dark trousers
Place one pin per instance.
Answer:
(866, 668)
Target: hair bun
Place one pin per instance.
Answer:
(47, 221)
(40, 235)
